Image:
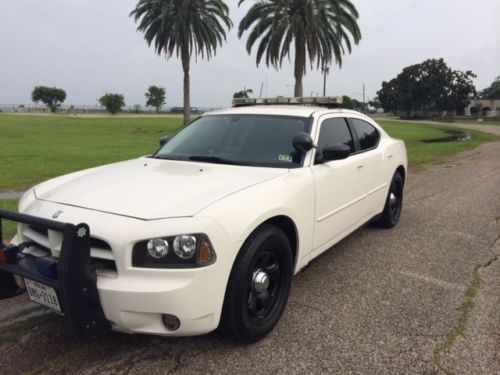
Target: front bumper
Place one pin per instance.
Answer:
(133, 300)
(71, 276)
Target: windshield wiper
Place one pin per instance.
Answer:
(213, 159)
(165, 157)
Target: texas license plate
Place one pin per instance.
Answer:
(42, 294)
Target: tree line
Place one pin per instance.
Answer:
(53, 97)
(431, 88)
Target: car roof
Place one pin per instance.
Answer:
(281, 110)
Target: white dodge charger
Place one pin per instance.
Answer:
(210, 229)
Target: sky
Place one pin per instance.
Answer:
(90, 47)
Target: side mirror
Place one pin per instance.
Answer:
(165, 140)
(303, 142)
(335, 152)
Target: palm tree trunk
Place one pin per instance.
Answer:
(185, 68)
(300, 55)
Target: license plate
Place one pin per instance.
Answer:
(42, 294)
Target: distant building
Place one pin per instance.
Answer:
(483, 107)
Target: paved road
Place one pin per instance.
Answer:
(11, 194)
(421, 298)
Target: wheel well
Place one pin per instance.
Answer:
(402, 171)
(288, 227)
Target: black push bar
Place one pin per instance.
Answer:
(74, 280)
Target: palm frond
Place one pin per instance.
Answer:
(173, 26)
(325, 29)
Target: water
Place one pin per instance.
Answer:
(454, 136)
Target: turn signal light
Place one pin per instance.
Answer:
(206, 254)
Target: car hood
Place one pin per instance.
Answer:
(149, 189)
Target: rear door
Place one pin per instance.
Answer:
(369, 160)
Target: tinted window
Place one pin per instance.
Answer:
(255, 140)
(368, 136)
(335, 131)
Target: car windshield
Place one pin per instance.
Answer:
(253, 140)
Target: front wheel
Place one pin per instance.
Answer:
(393, 203)
(259, 285)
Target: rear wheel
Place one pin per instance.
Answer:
(393, 204)
(259, 285)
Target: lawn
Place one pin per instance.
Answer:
(475, 122)
(420, 153)
(35, 148)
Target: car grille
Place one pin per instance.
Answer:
(101, 254)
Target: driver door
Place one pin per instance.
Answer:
(338, 187)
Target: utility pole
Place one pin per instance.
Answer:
(325, 69)
(364, 101)
(267, 85)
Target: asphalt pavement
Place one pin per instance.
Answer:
(422, 298)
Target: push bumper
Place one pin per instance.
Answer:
(70, 275)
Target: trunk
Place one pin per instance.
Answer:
(300, 56)
(324, 81)
(185, 68)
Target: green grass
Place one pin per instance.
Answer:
(36, 148)
(9, 227)
(420, 153)
(475, 122)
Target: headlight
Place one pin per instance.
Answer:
(157, 248)
(190, 251)
(185, 246)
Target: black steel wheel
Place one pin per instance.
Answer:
(393, 204)
(259, 285)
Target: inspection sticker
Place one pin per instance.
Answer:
(287, 158)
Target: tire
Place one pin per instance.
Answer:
(258, 286)
(393, 203)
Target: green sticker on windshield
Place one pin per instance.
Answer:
(287, 158)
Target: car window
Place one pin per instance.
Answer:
(367, 134)
(253, 140)
(335, 131)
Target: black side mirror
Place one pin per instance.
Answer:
(335, 152)
(303, 142)
(165, 140)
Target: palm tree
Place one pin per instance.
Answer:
(183, 27)
(243, 94)
(318, 29)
